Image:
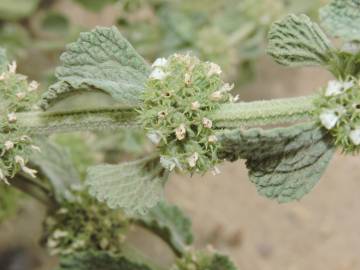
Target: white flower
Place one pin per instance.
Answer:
(33, 86)
(212, 139)
(158, 74)
(329, 118)
(170, 163)
(337, 87)
(35, 148)
(187, 78)
(12, 67)
(180, 132)
(216, 96)
(11, 117)
(60, 234)
(20, 95)
(160, 62)
(29, 171)
(195, 105)
(213, 69)
(20, 160)
(161, 115)
(234, 99)
(25, 138)
(207, 122)
(193, 159)
(355, 136)
(9, 145)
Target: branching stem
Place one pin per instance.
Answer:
(232, 115)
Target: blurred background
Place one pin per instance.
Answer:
(319, 232)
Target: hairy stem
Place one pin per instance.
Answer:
(262, 113)
(232, 115)
(76, 120)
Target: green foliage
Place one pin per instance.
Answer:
(338, 111)
(104, 60)
(203, 260)
(95, 5)
(17, 9)
(56, 165)
(341, 18)
(99, 261)
(284, 163)
(84, 224)
(180, 93)
(170, 223)
(134, 186)
(296, 41)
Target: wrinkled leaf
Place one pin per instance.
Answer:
(56, 164)
(341, 18)
(284, 163)
(170, 223)
(98, 261)
(134, 186)
(102, 59)
(17, 9)
(297, 41)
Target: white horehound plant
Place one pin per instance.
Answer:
(185, 108)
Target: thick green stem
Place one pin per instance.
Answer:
(262, 113)
(76, 120)
(232, 115)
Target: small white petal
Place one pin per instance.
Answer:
(355, 136)
(20, 160)
(36, 148)
(20, 95)
(33, 86)
(158, 74)
(11, 117)
(337, 87)
(195, 105)
(160, 62)
(212, 139)
(29, 171)
(207, 123)
(329, 118)
(154, 137)
(180, 132)
(216, 96)
(9, 145)
(193, 159)
(213, 69)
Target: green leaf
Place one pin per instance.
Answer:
(55, 163)
(341, 18)
(98, 261)
(134, 186)
(297, 41)
(102, 59)
(170, 223)
(95, 5)
(284, 163)
(17, 9)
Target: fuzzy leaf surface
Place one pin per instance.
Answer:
(341, 18)
(55, 163)
(104, 60)
(170, 223)
(98, 261)
(284, 163)
(134, 186)
(297, 41)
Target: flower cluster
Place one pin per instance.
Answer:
(203, 260)
(84, 224)
(181, 92)
(16, 95)
(339, 112)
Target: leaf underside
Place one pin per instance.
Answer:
(98, 261)
(297, 41)
(170, 223)
(341, 18)
(135, 186)
(284, 163)
(104, 60)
